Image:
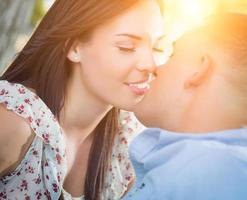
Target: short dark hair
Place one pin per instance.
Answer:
(229, 31)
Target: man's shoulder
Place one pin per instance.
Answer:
(212, 174)
(143, 144)
(181, 167)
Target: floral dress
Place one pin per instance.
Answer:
(41, 172)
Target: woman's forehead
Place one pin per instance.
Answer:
(143, 19)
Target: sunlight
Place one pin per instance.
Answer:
(181, 15)
(188, 13)
(191, 8)
(194, 11)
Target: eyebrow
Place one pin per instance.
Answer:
(161, 37)
(136, 37)
(174, 44)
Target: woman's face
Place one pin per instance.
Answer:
(116, 62)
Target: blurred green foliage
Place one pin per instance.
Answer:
(38, 12)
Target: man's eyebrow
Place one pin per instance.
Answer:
(162, 37)
(174, 44)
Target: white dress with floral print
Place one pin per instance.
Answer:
(41, 172)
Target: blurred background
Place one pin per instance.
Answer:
(18, 19)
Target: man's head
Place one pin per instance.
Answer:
(203, 86)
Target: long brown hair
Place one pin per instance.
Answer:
(43, 63)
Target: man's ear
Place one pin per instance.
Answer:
(74, 52)
(202, 73)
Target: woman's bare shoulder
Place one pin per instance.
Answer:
(15, 138)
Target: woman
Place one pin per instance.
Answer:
(85, 60)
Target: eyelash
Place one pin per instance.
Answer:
(125, 49)
(158, 50)
(170, 56)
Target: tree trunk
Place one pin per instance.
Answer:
(14, 19)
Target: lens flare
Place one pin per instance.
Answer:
(183, 14)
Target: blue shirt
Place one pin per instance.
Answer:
(175, 166)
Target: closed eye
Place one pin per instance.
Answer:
(171, 55)
(158, 50)
(126, 49)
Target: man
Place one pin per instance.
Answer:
(199, 104)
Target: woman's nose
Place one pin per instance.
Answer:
(146, 62)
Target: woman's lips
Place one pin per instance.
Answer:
(142, 86)
(139, 88)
